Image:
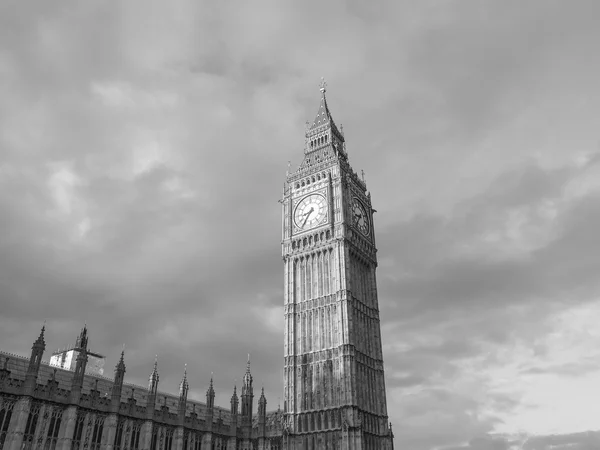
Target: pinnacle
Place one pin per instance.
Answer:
(40, 339)
(121, 363)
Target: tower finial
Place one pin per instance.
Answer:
(323, 85)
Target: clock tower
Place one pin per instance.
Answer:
(334, 389)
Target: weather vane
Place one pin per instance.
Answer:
(323, 85)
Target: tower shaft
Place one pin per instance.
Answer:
(334, 388)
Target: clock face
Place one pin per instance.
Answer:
(310, 211)
(360, 219)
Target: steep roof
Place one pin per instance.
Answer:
(324, 116)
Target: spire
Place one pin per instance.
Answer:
(117, 386)
(234, 401)
(153, 379)
(37, 351)
(323, 117)
(248, 375)
(184, 386)
(121, 364)
(262, 399)
(210, 394)
(262, 406)
(40, 342)
(82, 340)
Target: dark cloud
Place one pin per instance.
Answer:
(143, 147)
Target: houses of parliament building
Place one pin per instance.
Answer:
(333, 377)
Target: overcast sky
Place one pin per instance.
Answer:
(143, 148)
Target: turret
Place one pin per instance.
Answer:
(37, 351)
(234, 409)
(247, 395)
(210, 396)
(210, 404)
(262, 406)
(262, 413)
(117, 387)
(183, 393)
(234, 402)
(80, 364)
(152, 390)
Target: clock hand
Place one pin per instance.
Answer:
(307, 216)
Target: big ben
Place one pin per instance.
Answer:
(334, 389)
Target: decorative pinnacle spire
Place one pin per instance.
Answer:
(40, 340)
(248, 375)
(121, 363)
(323, 120)
(82, 340)
(184, 380)
(154, 374)
(184, 386)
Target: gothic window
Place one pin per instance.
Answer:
(134, 443)
(119, 435)
(325, 390)
(303, 332)
(97, 433)
(322, 327)
(310, 326)
(186, 439)
(168, 439)
(326, 289)
(78, 432)
(6, 408)
(297, 280)
(197, 441)
(53, 428)
(308, 279)
(154, 440)
(31, 425)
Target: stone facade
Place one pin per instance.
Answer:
(46, 407)
(334, 387)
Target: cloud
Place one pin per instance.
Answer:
(142, 152)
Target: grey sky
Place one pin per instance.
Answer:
(143, 147)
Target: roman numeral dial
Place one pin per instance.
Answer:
(310, 211)
(359, 217)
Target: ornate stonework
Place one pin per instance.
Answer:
(334, 385)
